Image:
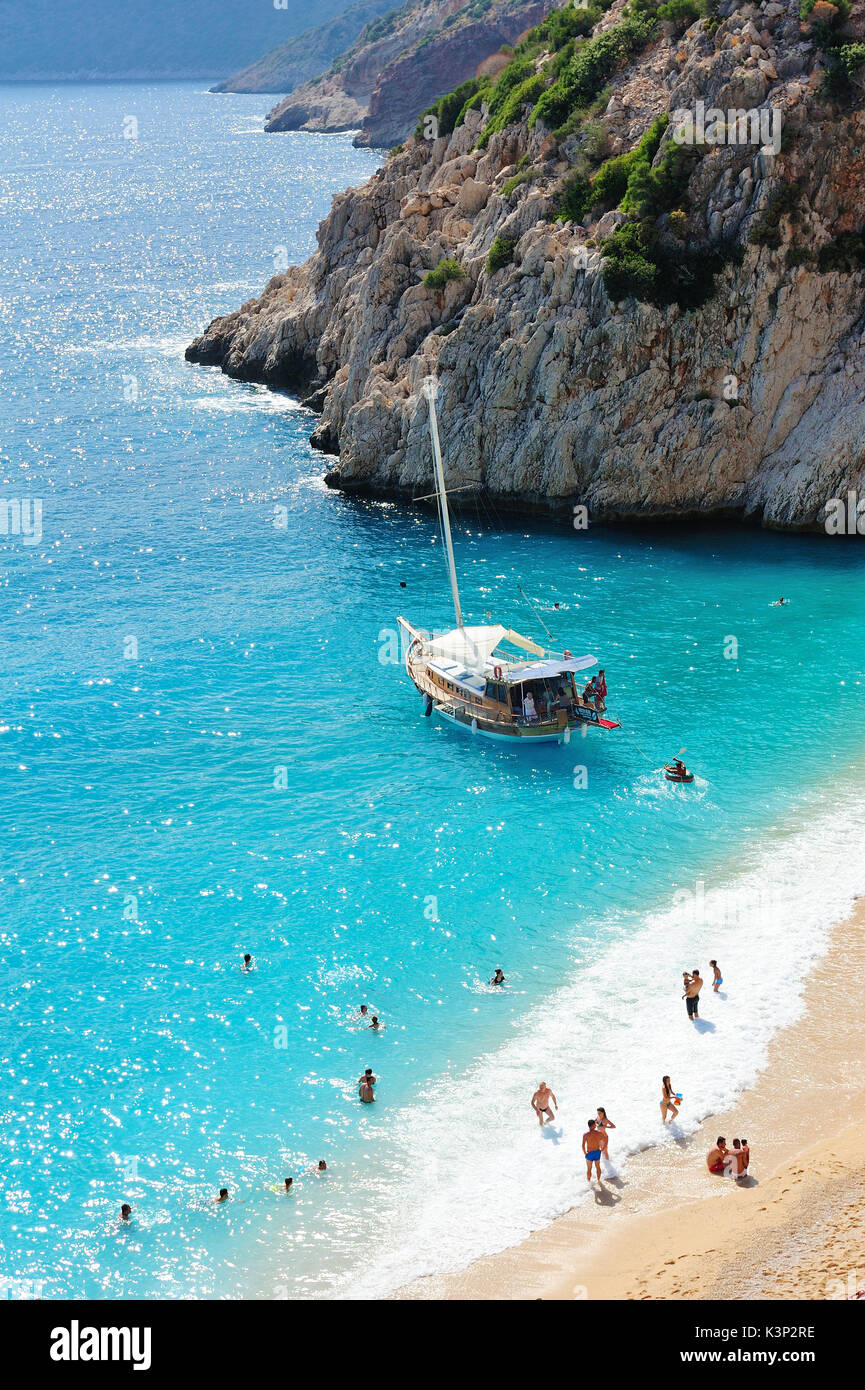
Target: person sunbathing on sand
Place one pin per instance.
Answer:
(716, 1158)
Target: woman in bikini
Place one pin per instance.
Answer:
(670, 1100)
(603, 1125)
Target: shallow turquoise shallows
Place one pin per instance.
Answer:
(207, 749)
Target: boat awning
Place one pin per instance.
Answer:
(469, 646)
(538, 670)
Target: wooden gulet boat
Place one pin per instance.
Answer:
(489, 679)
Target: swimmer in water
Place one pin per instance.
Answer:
(321, 1166)
(223, 1195)
(289, 1184)
(375, 1023)
(718, 979)
(364, 1010)
(498, 978)
(365, 1085)
(125, 1212)
(779, 603)
(247, 963)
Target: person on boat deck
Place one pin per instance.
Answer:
(564, 700)
(529, 710)
(589, 692)
(600, 683)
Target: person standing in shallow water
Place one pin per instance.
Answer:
(693, 985)
(603, 1124)
(541, 1102)
(670, 1099)
(365, 1085)
(593, 1148)
(717, 978)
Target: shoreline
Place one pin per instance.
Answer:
(665, 1229)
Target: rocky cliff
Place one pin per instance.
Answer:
(307, 55)
(625, 309)
(397, 66)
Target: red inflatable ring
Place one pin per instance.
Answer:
(497, 672)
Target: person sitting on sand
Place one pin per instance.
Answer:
(746, 1157)
(593, 1148)
(717, 979)
(670, 1099)
(365, 1085)
(716, 1158)
(498, 978)
(737, 1167)
(541, 1103)
(603, 1124)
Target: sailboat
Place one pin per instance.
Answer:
(489, 679)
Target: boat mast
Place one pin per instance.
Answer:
(443, 497)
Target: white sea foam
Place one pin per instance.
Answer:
(476, 1174)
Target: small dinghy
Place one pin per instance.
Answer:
(674, 774)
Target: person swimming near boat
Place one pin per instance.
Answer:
(223, 1195)
(593, 1154)
(670, 1099)
(718, 978)
(716, 1158)
(541, 1101)
(498, 978)
(365, 1085)
(603, 1124)
(125, 1212)
(693, 985)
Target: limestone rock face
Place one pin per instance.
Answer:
(550, 394)
(382, 83)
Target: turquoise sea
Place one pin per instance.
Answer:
(206, 749)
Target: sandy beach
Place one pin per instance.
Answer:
(666, 1229)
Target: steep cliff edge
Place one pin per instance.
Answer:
(306, 56)
(688, 342)
(409, 58)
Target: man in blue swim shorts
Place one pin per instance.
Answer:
(592, 1150)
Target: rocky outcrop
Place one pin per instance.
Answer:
(307, 55)
(382, 83)
(552, 394)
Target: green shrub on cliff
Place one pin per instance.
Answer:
(846, 253)
(447, 269)
(509, 110)
(682, 13)
(501, 253)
